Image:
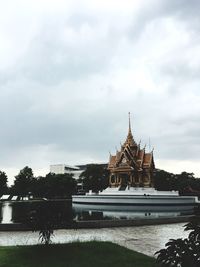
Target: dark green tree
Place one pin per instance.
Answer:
(59, 185)
(23, 182)
(163, 180)
(180, 182)
(184, 180)
(182, 252)
(54, 186)
(38, 187)
(3, 183)
(95, 177)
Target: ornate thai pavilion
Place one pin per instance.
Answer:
(131, 166)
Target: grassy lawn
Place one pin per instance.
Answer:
(87, 254)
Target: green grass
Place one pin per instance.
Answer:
(87, 254)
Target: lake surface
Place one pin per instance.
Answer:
(17, 212)
(145, 239)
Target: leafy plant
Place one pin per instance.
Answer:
(41, 220)
(182, 252)
(47, 216)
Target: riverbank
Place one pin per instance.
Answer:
(91, 224)
(77, 254)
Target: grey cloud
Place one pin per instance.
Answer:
(61, 97)
(50, 60)
(185, 11)
(180, 70)
(180, 139)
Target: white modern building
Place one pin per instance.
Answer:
(63, 168)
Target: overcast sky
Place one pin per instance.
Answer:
(70, 71)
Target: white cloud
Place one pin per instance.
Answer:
(178, 166)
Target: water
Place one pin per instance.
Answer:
(144, 239)
(6, 213)
(17, 212)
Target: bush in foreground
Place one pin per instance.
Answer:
(47, 216)
(182, 252)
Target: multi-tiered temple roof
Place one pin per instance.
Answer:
(131, 166)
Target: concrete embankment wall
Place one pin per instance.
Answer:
(137, 222)
(105, 223)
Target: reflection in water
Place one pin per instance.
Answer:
(6, 211)
(19, 212)
(16, 212)
(98, 212)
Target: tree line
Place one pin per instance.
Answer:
(50, 186)
(94, 177)
(179, 182)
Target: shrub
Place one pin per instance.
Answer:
(182, 252)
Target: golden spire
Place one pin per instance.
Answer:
(129, 138)
(129, 123)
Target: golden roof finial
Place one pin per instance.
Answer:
(129, 122)
(130, 139)
(130, 136)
